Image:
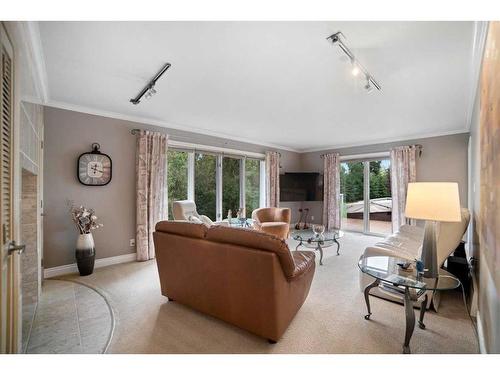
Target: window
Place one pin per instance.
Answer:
(230, 185)
(205, 184)
(252, 185)
(217, 182)
(177, 176)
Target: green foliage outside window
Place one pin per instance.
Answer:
(230, 186)
(352, 176)
(252, 185)
(205, 184)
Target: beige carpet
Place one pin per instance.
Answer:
(330, 321)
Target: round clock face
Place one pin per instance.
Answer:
(94, 169)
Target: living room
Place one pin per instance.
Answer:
(236, 186)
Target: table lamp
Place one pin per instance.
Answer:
(432, 202)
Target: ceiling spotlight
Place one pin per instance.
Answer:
(368, 87)
(357, 68)
(149, 90)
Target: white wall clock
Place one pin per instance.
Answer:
(94, 168)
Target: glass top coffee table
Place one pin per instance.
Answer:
(393, 279)
(311, 240)
(242, 223)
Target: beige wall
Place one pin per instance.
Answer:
(443, 159)
(67, 135)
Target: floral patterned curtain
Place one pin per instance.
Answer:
(151, 179)
(403, 171)
(272, 179)
(331, 191)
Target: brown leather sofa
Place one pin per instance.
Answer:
(272, 220)
(244, 277)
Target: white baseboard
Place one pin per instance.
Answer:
(103, 262)
(480, 334)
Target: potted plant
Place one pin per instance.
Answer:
(85, 221)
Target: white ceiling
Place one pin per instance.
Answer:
(277, 83)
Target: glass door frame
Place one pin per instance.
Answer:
(366, 159)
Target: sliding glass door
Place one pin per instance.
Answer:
(205, 187)
(253, 186)
(366, 203)
(352, 196)
(216, 182)
(231, 173)
(380, 207)
(177, 176)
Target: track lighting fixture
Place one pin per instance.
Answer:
(149, 90)
(357, 67)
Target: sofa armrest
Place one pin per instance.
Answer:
(374, 251)
(286, 214)
(303, 261)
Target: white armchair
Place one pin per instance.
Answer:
(186, 210)
(407, 244)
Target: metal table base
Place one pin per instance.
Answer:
(408, 300)
(320, 248)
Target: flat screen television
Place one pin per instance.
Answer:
(298, 187)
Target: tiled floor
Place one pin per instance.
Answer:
(67, 315)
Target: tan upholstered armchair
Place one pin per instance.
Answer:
(186, 211)
(272, 220)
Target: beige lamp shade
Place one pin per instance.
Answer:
(437, 201)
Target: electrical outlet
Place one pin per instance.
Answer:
(132, 242)
(312, 218)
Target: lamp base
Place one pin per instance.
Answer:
(429, 250)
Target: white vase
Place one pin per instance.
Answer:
(85, 253)
(85, 242)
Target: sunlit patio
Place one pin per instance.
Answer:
(375, 226)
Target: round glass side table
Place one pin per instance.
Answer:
(392, 278)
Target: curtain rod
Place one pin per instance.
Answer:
(137, 131)
(418, 146)
(209, 149)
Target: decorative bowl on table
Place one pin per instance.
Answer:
(318, 230)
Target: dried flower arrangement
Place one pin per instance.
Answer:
(84, 219)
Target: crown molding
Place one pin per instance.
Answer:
(150, 121)
(413, 137)
(30, 36)
(479, 42)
